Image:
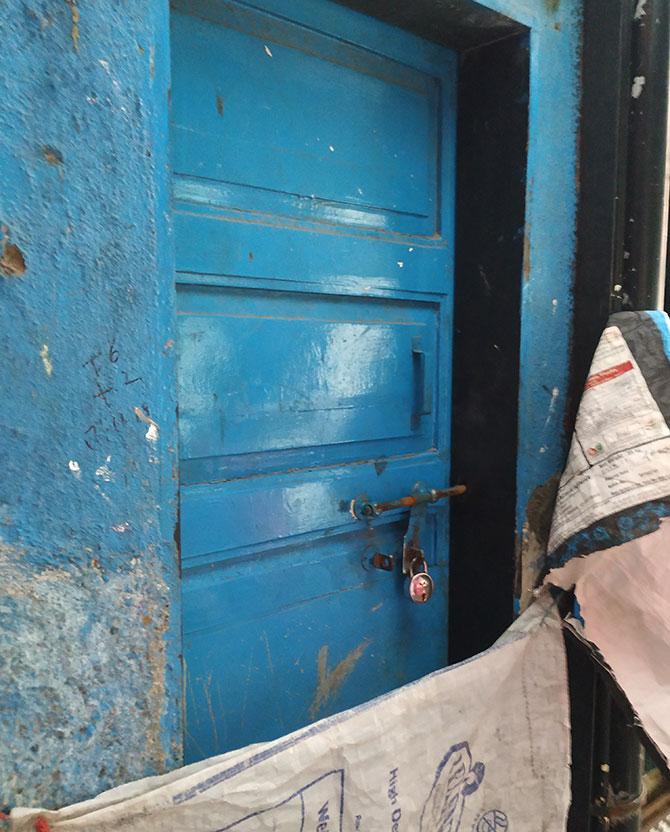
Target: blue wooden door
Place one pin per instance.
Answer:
(313, 156)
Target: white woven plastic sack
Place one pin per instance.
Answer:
(479, 747)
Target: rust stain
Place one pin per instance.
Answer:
(531, 563)
(219, 105)
(52, 155)
(74, 31)
(12, 260)
(329, 682)
(552, 6)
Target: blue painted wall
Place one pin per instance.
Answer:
(89, 619)
(547, 280)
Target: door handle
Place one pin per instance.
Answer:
(423, 389)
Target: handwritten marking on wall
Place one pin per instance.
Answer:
(110, 375)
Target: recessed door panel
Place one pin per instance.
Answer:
(348, 153)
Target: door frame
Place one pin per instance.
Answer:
(544, 283)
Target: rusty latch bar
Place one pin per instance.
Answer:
(364, 509)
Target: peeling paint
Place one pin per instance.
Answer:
(329, 682)
(78, 703)
(638, 85)
(12, 260)
(153, 432)
(46, 360)
(532, 565)
(105, 473)
(52, 155)
(74, 29)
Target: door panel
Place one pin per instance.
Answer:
(346, 154)
(313, 194)
(348, 371)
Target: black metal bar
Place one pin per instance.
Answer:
(646, 217)
(641, 287)
(601, 227)
(621, 246)
(602, 174)
(618, 757)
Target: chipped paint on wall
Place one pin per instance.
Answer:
(90, 680)
(532, 563)
(638, 85)
(46, 360)
(79, 680)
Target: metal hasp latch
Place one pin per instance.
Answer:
(414, 563)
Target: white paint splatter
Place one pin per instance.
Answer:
(639, 9)
(554, 306)
(104, 65)
(400, 264)
(105, 473)
(73, 465)
(331, 148)
(552, 404)
(121, 528)
(411, 248)
(152, 432)
(638, 84)
(267, 50)
(102, 493)
(46, 360)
